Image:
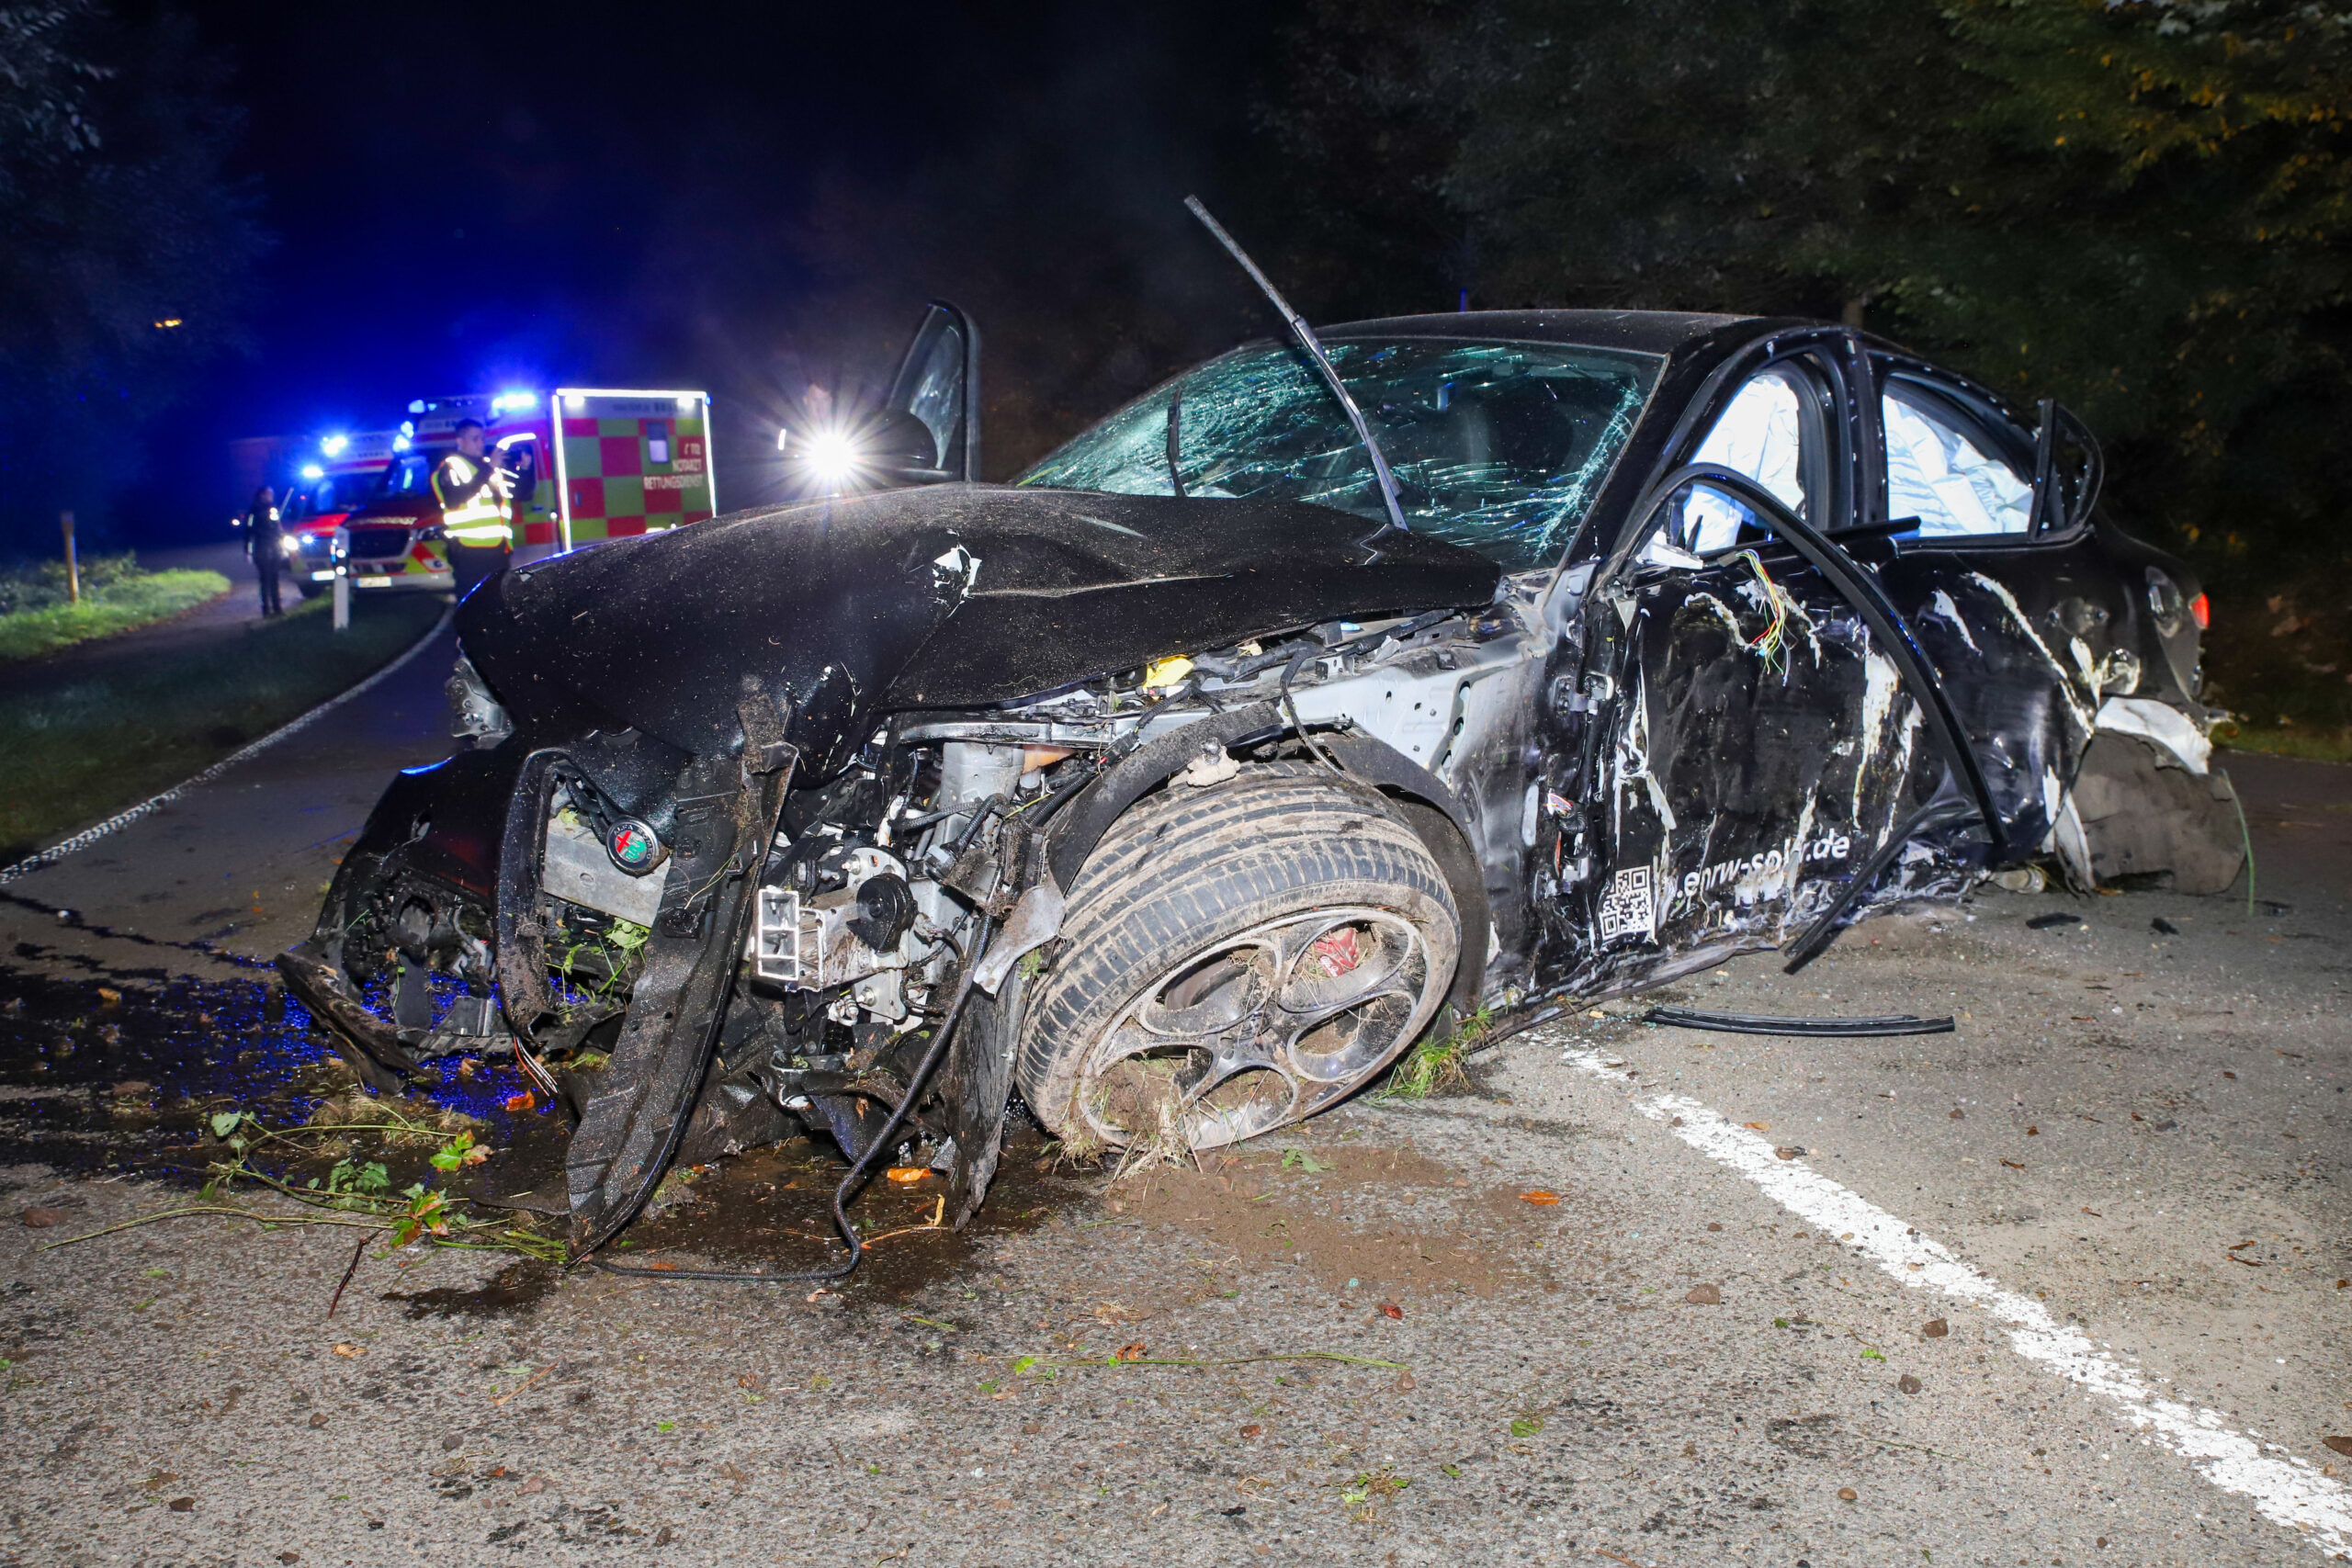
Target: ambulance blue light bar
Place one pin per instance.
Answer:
(333, 444)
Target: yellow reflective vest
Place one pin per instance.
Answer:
(473, 512)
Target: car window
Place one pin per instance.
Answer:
(404, 475)
(936, 397)
(1767, 434)
(1498, 447)
(1941, 469)
(1762, 434)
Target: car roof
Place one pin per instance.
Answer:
(1644, 332)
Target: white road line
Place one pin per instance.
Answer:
(152, 804)
(2285, 1489)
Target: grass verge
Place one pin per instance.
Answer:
(2281, 663)
(115, 606)
(2319, 745)
(78, 755)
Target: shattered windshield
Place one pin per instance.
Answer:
(1499, 446)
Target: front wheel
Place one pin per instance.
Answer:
(1235, 959)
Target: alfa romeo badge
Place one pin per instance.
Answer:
(633, 846)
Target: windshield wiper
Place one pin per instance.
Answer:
(1313, 347)
(1175, 434)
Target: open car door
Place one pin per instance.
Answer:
(929, 430)
(1768, 747)
(1758, 738)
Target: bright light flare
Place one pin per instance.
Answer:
(313, 471)
(833, 459)
(333, 444)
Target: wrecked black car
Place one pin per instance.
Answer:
(1180, 788)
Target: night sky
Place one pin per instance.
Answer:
(744, 199)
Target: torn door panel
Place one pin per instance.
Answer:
(1739, 796)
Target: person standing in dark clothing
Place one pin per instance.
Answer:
(265, 542)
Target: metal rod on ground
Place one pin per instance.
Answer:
(72, 565)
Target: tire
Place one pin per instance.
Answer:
(308, 589)
(1235, 959)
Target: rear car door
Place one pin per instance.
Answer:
(1982, 539)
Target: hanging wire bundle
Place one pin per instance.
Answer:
(1770, 644)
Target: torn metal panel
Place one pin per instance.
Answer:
(629, 1129)
(2147, 819)
(2160, 724)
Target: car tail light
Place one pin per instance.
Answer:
(2201, 611)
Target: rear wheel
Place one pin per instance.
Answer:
(1235, 959)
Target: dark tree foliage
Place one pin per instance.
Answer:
(129, 251)
(1366, 131)
(2137, 206)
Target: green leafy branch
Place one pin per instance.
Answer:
(357, 1193)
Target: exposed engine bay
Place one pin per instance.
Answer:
(877, 886)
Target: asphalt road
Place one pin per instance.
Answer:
(2118, 1189)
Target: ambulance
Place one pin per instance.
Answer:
(325, 488)
(588, 463)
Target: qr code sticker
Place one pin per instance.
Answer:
(1629, 907)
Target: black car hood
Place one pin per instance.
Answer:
(945, 596)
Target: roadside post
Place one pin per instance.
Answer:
(342, 553)
(73, 566)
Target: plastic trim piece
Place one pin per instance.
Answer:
(1803, 1028)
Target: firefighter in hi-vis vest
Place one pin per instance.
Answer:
(473, 491)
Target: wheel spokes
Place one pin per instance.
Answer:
(1267, 1027)
(1218, 991)
(1349, 986)
(1337, 962)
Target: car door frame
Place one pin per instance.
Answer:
(962, 461)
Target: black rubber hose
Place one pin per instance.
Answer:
(858, 1172)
